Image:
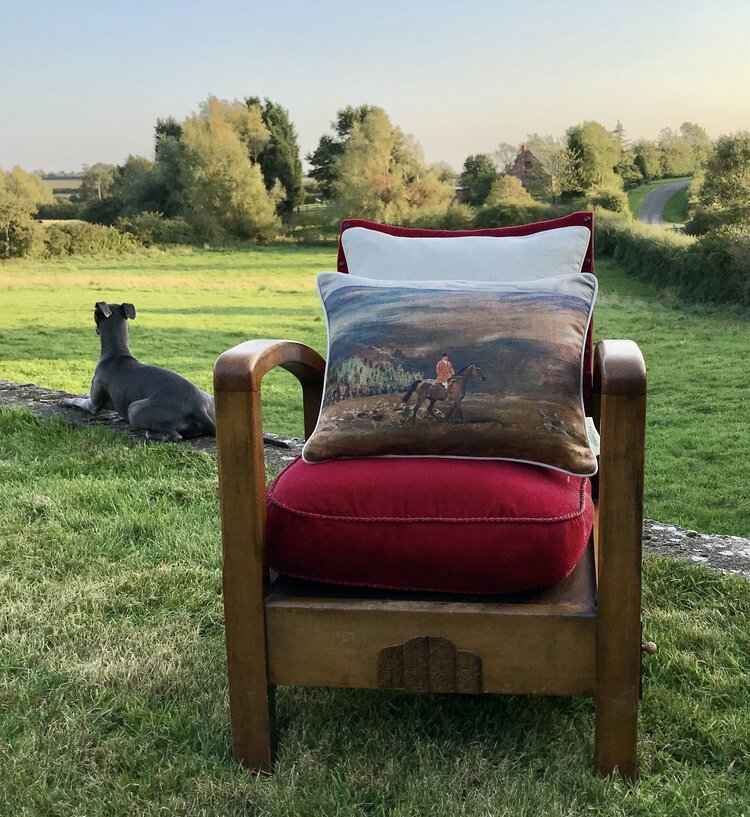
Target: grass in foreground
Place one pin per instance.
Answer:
(194, 305)
(637, 195)
(113, 691)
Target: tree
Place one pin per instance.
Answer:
(96, 181)
(445, 173)
(224, 190)
(722, 194)
(381, 174)
(508, 190)
(20, 195)
(504, 156)
(136, 187)
(647, 159)
(619, 134)
(280, 160)
(478, 174)
(169, 186)
(698, 141)
(627, 169)
(323, 160)
(675, 155)
(597, 153)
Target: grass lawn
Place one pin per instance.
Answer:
(113, 691)
(194, 305)
(638, 194)
(676, 208)
(112, 668)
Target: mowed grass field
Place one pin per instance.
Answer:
(193, 305)
(112, 667)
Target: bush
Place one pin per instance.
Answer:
(23, 237)
(508, 215)
(153, 228)
(456, 217)
(60, 209)
(101, 211)
(616, 201)
(81, 238)
(508, 190)
(714, 268)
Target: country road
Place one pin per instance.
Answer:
(652, 208)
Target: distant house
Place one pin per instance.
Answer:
(530, 171)
(523, 167)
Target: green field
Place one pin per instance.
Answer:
(638, 194)
(676, 208)
(112, 668)
(194, 305)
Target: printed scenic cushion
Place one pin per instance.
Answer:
(455, 369)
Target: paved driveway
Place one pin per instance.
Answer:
(652, 208)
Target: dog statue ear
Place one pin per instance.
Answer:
(103, 307)
(128, 310)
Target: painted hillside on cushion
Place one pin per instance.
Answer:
(509, 356)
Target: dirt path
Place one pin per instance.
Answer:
(652, 209)
(730, 554)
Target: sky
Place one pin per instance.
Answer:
(85, 81)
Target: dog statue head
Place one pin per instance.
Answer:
(104, 311)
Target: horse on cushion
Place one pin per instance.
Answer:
(433, 391)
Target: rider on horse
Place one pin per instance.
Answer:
(444, 370)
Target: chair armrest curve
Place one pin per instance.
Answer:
(619, 368)
(243, 367)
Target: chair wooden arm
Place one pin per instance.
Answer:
(620, 409)
(243, 367)
(238, 374)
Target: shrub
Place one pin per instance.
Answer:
(456, 217)
(153, 228)
(82, 238)
(507, 215)
(713, 268)
(20, 237)
(717, 266)
(508, 190)
(615, 201)
(649, 253)
(60, 209)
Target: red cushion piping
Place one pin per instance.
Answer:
(446, 519)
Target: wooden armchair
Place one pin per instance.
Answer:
(580, 637)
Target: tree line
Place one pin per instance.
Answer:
(232, 171)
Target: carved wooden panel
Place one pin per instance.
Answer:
(427, 664)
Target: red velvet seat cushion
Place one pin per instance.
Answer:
(452, 525)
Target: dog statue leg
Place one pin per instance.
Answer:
(91, 404)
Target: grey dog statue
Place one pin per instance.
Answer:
(163, 403)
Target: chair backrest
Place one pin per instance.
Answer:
(551, 235)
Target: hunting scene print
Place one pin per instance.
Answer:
(455, 369)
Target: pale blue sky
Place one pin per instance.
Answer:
(84, 81)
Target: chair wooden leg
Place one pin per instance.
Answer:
(253, 720)
(616, 731)
(242, 480)
(618, 544)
